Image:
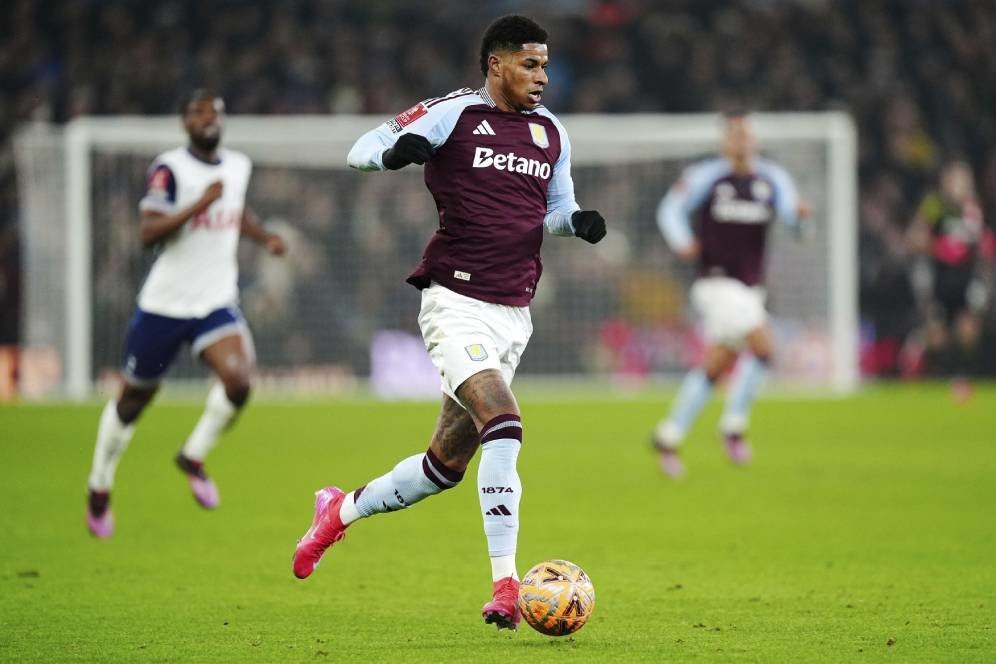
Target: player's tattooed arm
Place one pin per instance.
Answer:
(156, 226)
(253, 229)
(455, 439)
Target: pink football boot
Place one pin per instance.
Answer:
(668, 459)
(670, 463)
(203, 487)
(503, 609)
(737, 448)
(99, 518)
(326, 529)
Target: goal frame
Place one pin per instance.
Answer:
(591, 134)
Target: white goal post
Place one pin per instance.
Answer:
(69, 177)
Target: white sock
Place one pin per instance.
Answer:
(498, 484)
(347, 511)
(113, 437)
(218, 414)
(503, 566)
(417, 477)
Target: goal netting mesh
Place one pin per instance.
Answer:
(336, 311)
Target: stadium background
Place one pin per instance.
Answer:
(917, 77)
(863, 531)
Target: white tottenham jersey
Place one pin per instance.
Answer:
(196, 270)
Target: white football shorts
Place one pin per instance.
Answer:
(729, 309)
(465, 336)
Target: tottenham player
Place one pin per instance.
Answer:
(194, 209)
(498, 165)
(734, 197)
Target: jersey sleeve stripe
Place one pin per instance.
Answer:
(452, 95)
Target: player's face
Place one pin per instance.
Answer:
(523, 76)
(202, 120)
(739, 143)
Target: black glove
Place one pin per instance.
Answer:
(409, 149)
(588, 225)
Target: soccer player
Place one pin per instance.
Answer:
(949, 229)
(498, 165)
(734, 198)
(194, 210)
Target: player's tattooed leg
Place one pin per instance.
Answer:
(455, 439)
(486, 396)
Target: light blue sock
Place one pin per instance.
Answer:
(746, 382)
(693, 395)
(413, 479)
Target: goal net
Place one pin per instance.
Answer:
(336, 313)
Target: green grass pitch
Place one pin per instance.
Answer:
(865, 530)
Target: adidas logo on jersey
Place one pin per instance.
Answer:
(501, 510)
(484, 129)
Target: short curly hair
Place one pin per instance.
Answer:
(509, 33)
(196, 95)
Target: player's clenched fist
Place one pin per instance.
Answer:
(588, 225)
(409, 149)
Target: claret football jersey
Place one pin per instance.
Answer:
(733, 212)
(497, 178)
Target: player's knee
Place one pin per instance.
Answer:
(713, 373)
(487, 395)
(129, 410)
(237, 390)
(714, 370)
(132, 402)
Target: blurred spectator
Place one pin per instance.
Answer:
(949, 233)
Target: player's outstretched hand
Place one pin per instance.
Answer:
(690, 251)
(409, 149)
(588, 225)
(804, 209)
(275, 244)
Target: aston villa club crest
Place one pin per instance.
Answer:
(477, 352)
(538, 133)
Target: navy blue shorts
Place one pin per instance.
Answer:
(154, 340)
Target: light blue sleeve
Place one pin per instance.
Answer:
(675, 210)
(560, 201)
(436, 123)
(786, 194)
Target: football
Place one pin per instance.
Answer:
(556, 597)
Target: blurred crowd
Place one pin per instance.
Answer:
(918, 76)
